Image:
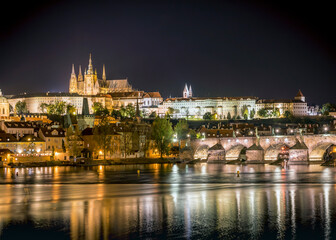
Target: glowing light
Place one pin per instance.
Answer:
(100, 152)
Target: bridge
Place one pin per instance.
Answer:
(306, 149)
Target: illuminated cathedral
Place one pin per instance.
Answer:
(90, 84)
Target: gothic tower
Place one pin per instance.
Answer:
(185, 91)
(299, 96)
(190, 91)
(80, 82)
(104, 74)
(73, 81)
(90, 80)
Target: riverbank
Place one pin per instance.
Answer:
(88, 162)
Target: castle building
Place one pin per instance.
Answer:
(189, 106)
(112, 94)
(90, 84)
(296, 106)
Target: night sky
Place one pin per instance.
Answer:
(221, 48)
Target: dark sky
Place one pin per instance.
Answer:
(222, 48)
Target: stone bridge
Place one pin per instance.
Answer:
(312, 148)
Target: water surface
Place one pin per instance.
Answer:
(168, 202)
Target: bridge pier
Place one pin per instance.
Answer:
(298, 154)
(255, 154)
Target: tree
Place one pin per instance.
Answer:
(130, 111)
(70, 109)
(102, 136)
(60, 108)
(193, 134)
(276, 112)
(252, 113)
(123, 113)
(244, 112)
(287, 114)
(63, 146)
(181, 130)
(43, 107)
(207, 116)
(263, 112)
(116, 114)
(99, 110)
(162, 133)
(229, 116)
(51, 109)
(21, 107)
(152, 115)
(97, 106)
(170, 111)
(328, 107)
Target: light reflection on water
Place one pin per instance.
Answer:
(247, 209)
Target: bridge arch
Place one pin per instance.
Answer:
(320, 151)
(235, 152)
(201, 152)
(274, 151)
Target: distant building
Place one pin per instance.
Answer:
(196, 107)
(296, 106)
(4, 107)
(53, 138)
(313, 110)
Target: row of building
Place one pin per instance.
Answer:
(37, 140)
(114, 94)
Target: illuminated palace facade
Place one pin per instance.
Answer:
(190, 106)
(112, 94)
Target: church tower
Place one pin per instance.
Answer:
(104, 74)
(185, 91)
(299, 96)
(90, 80)
(73, 81)
(190, 91)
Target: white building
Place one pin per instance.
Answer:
(296, 106)
(34, 101)
(189, 106)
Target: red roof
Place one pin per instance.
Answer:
(299, 94)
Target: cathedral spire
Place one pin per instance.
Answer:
(190, 91)
(185, 91)
(90, 69)
(73, 69)
(80, 70)
(104, 74)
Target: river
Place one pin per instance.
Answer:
(166, 201)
